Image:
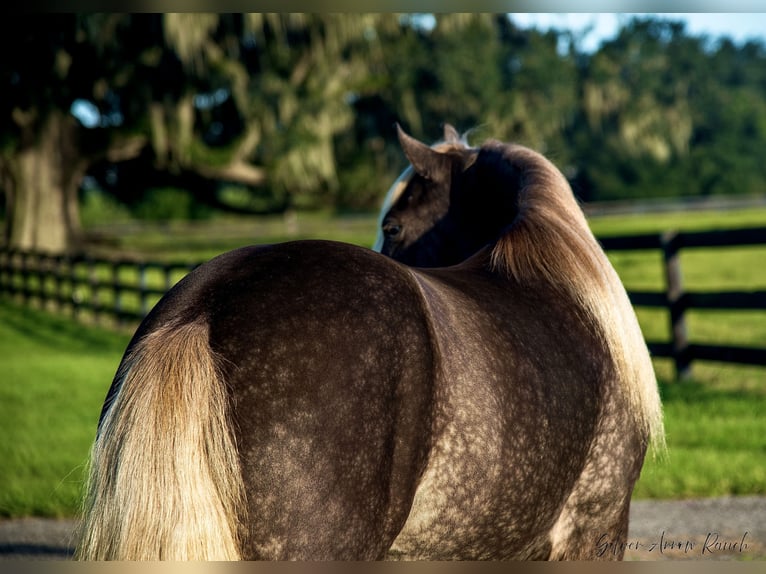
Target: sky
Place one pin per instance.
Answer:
(739, 27)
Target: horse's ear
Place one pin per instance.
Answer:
(426, 161)
(450, 133)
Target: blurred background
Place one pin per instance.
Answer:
(110, 117)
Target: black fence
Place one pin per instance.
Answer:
(677, 301)
(122, 291)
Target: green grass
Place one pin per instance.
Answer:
(55, 375)
(678, 221)
(54, 372)
(193, 242)
(716, 443)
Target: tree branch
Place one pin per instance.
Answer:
(126, 149)
(235, 172)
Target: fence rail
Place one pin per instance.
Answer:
(677, 301)
(125, 290)
(122, 290)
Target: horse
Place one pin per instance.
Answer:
(477, 388)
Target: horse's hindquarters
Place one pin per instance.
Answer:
(330, 367)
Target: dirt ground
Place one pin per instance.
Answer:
(702, 529)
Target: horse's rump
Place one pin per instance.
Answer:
(327, 364)
(331, 370)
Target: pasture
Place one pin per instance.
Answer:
(54, 373)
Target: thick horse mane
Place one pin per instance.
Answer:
(550, 240)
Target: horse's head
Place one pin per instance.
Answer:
(452, 201)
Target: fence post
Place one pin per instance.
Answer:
(671, 246)
(24, 277)
(168, 269)
(93, 285)
(117, 288)
(142, 284)
(58, 281)
(75, 294)
(4, 269)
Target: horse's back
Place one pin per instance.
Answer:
(523, 388)
(327, 356)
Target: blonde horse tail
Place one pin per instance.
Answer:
(164, 480)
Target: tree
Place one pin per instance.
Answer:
(635, 108)
(665, 113)
(288, 80)
(51, 62)
(282, 79)
(297, 110)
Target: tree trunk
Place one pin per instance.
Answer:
(44, 178)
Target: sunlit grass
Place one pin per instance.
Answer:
(55, 374)
(716, 430)
(716, 443)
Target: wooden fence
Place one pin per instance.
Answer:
(124, 291)
(120, 291)
(677, 301)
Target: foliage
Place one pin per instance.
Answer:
(166, 204)
(297, 110)
(672, 114)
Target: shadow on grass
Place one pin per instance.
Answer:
(53, 331)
